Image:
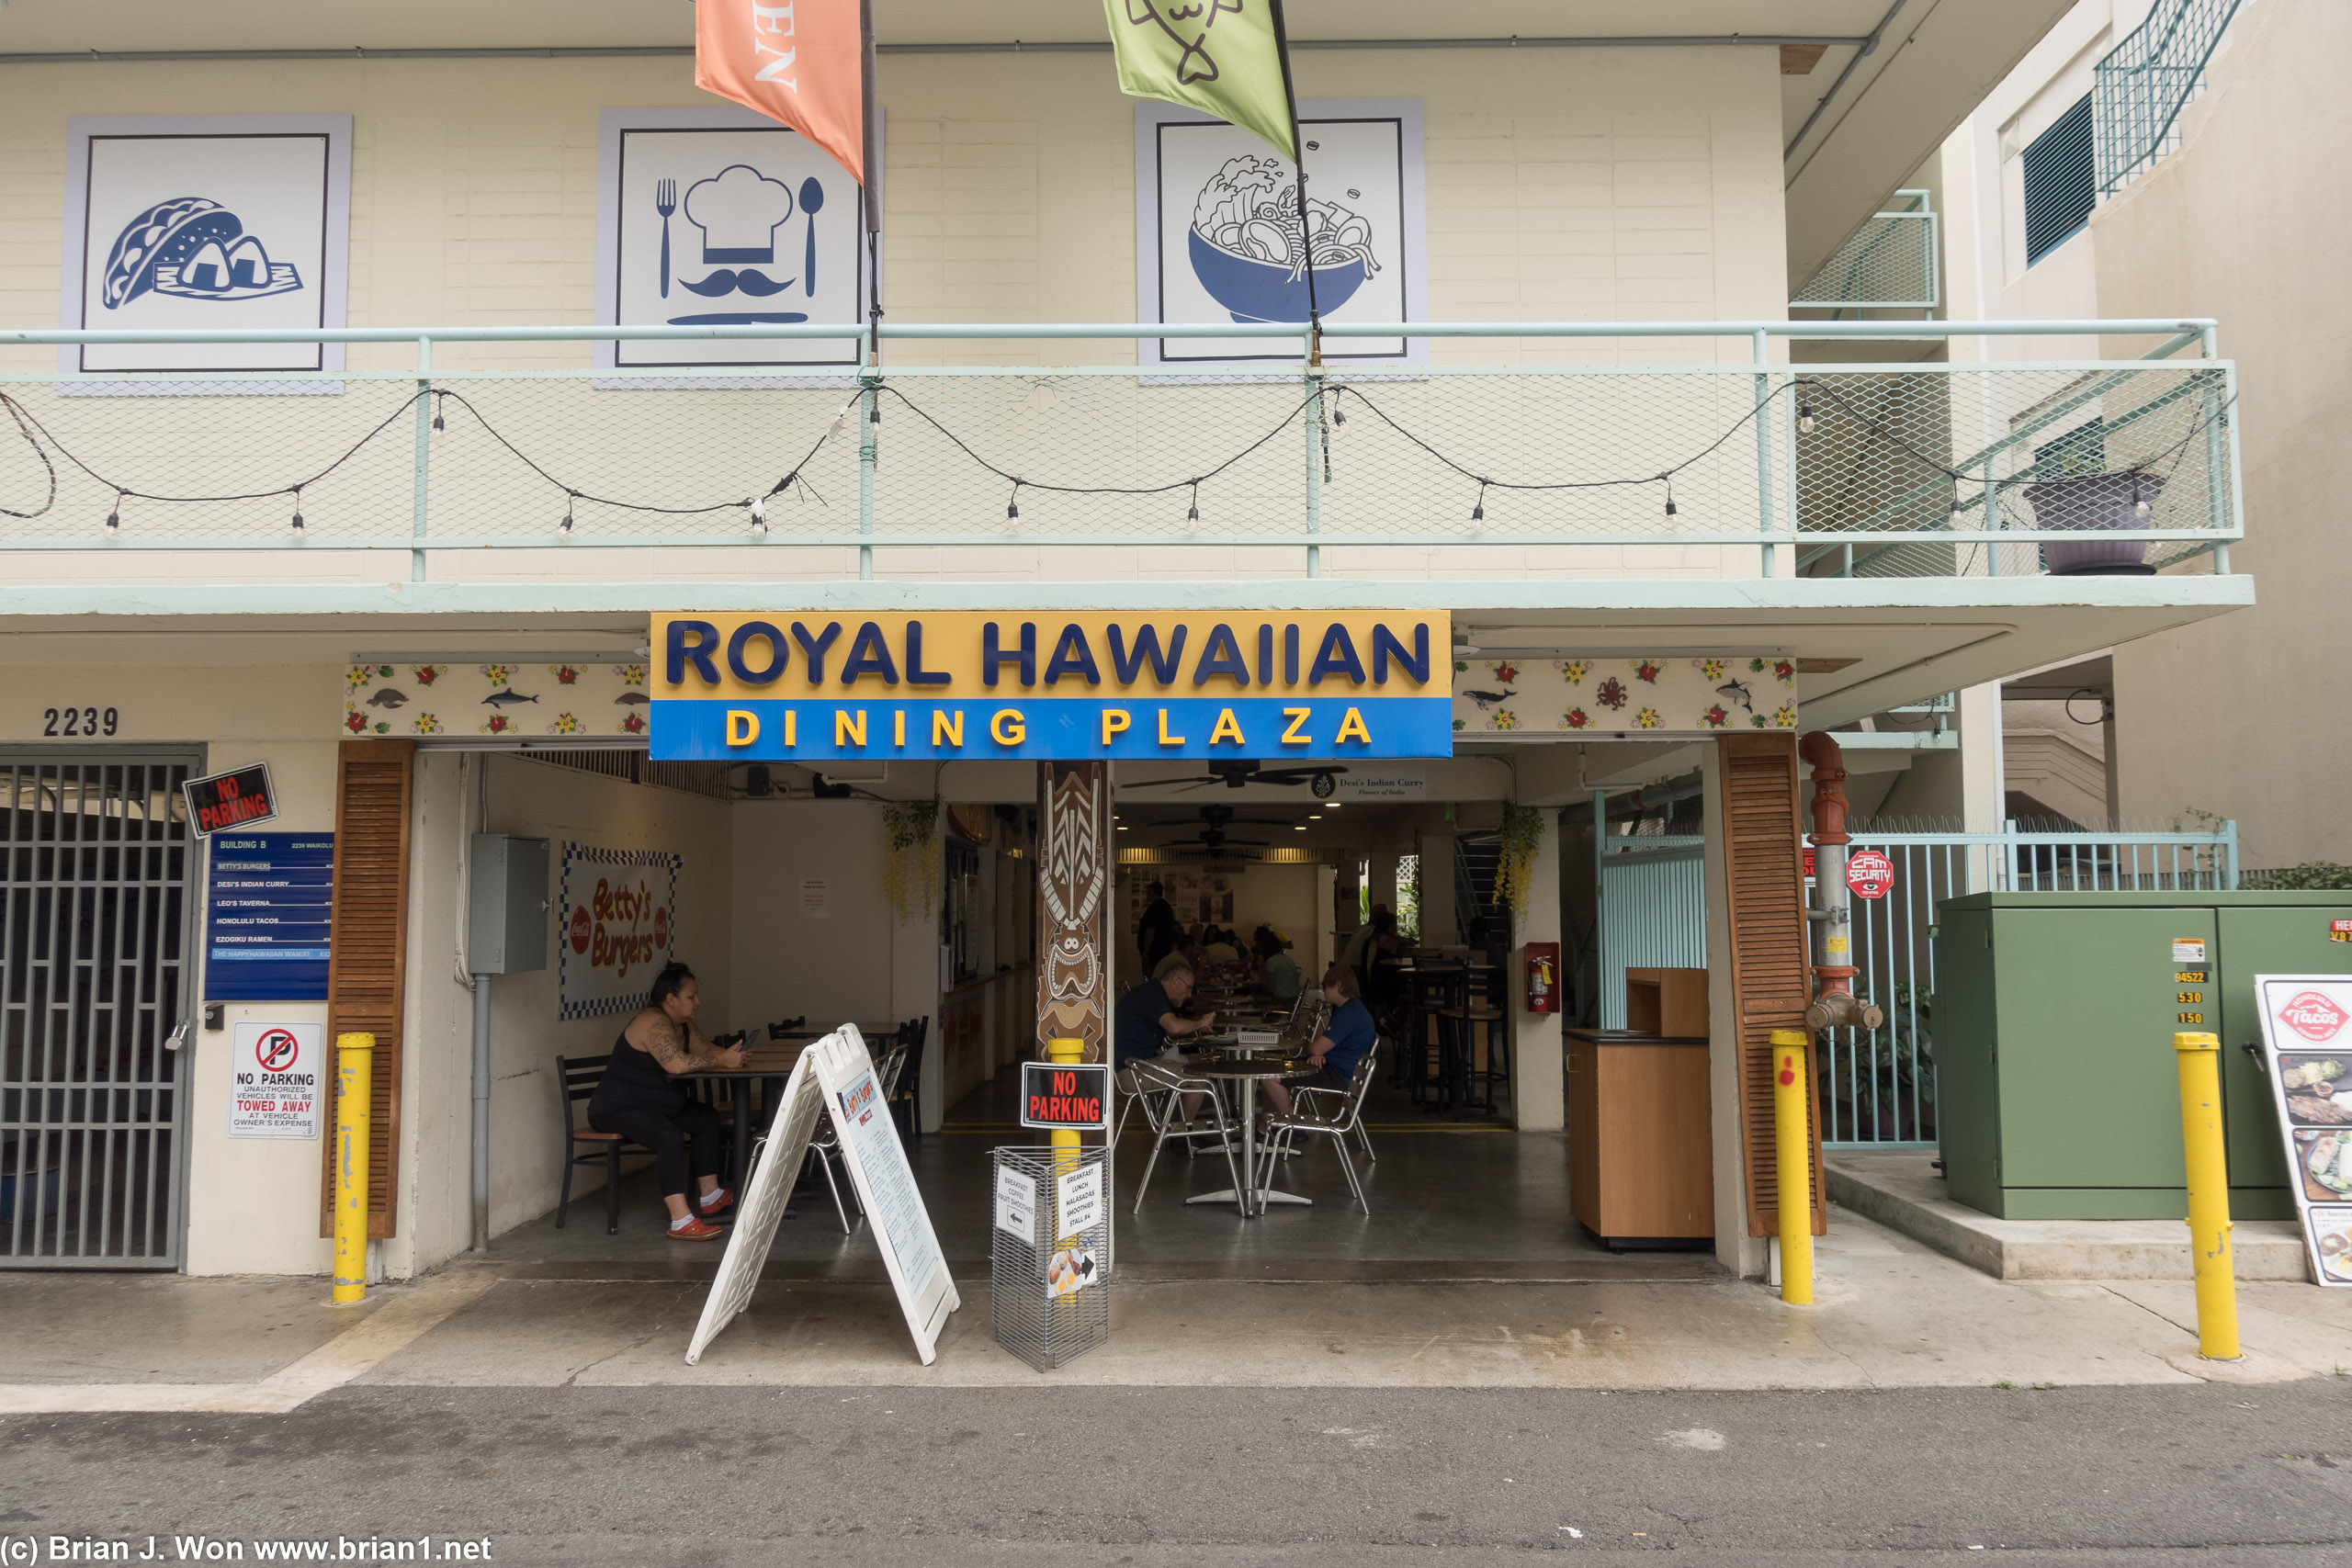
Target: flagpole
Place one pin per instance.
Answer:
(1298, 158)
(866, 202)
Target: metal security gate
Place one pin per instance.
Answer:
(1878, 1087)
(98, 904)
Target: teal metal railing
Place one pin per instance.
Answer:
(2143, 84)
(1738, 465)
(1893, 261)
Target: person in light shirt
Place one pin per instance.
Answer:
(1278, 971)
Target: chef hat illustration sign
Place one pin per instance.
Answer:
(201, 223)
(723, 218)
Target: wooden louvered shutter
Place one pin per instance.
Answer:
(1772, 981)
(366, 964)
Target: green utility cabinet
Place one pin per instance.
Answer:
(2056, 1093)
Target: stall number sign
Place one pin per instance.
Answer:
(274, 1080)
(235, 799)
(1870, 873)
(1071, 1096)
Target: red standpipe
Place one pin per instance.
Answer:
(1834, 1006)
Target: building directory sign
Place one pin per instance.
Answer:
(266, 920)
(1073, 687)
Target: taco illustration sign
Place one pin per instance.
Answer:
(237, 221)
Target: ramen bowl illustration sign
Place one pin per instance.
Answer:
(1249, 252)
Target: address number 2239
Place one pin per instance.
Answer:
(77, 722)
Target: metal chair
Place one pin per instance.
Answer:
(1160, 1088)
(1332, 1112)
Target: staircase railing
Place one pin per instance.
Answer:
(2139, 88)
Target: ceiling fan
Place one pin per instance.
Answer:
(1238, 772)
(1212, 840)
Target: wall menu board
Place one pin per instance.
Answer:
(2307, 1050)
(266, 922)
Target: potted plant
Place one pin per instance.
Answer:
(2095, 503)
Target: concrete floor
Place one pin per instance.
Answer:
(1461, 1196)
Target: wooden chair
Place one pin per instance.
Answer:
(577, 1078)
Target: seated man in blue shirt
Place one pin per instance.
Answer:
(1146, 1018)
(1345, 1041)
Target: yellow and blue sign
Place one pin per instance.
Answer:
(1072, 687)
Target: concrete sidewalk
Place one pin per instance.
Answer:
(1889, 1313)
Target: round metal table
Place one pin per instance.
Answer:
(1249, 1071)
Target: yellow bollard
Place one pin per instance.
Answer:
(355, 1081)
(1793, 1161)
(1067, 1141)
(2209, 1194)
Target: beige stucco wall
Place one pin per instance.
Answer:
(2243, 223)
(1585, 185)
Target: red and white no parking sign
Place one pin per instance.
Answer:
(1869, 874)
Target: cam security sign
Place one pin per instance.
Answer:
(1068, 687)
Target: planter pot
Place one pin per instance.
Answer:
(2093, 504)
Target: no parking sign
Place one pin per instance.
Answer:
(274, 1079)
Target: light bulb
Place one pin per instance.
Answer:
(566, 524)
(760, 514)
(1478, 507)
(114, 516)
(297, 509)
(438, 422)
(1012, 506)
(1669, 506)
(1804, 418)
(1193, 512)
(841, 418)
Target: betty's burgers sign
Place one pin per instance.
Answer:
(620, 925)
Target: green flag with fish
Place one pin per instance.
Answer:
(1222, 57)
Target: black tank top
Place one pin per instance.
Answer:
(633, 1080)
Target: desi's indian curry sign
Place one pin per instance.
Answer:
(1072, 687)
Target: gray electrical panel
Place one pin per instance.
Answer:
(506, 928)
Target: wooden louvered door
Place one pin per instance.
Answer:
(367, 966)
(1771, 980)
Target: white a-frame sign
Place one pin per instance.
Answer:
(836, 1075)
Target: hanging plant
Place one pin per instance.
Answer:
(911, 866)
(1522, 835)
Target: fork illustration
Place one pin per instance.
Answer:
(665, 202)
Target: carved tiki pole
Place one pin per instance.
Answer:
(1074, 864)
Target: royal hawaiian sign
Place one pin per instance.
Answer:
(1072, 687)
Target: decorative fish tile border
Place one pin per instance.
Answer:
(528, 701)
(1610, 697)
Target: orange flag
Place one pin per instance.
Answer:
(807, 62)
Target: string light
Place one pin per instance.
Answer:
(1478, 508)
(841, 418)
(2139, 502)
(1193, 512)
(1668, 478)
(438, 400)
(114, 517)
(1012, 506)
(758, 507)
(566, 524)
(1804, 415)
(297, 509)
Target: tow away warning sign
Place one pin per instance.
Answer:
(274, 1080)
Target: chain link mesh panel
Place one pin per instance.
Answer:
(1889, 261)
(1437, 456)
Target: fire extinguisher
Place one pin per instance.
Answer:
(1543, 977)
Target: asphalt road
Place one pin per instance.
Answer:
(648, 1478)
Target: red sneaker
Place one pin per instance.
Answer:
(695, 1230)
(718, 1202)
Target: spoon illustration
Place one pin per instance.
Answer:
(812, 197)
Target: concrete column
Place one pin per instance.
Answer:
(1982, 787)
(1440, 925)
(1735, 1249)
(1538, 1085)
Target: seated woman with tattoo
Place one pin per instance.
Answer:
(638, 1098)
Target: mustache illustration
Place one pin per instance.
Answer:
(726, 280)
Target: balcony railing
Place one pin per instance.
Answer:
(1707, 470)
(1892, 263)
(2140, 87)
